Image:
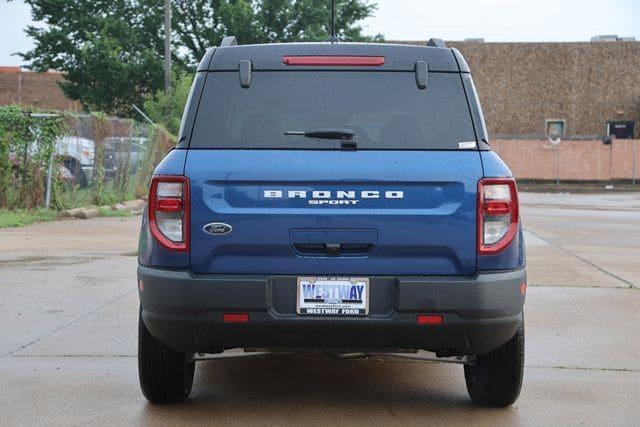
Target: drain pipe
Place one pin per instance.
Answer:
(635, 161)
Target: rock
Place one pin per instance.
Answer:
(71, 213)
(88, 213)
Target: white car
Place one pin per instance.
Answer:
(77, 155)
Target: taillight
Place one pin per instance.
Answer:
(497, 214)
(169, 211)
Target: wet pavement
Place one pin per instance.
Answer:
(68, 313)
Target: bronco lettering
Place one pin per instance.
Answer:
(326, 194)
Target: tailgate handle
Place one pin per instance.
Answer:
(333, 249)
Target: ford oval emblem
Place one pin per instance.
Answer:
(217, 228)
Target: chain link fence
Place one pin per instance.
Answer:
(89, 160)
(105, 160)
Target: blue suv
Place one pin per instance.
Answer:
(335, 197)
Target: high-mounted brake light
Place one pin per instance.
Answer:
(343, 61)
(169, 211)
(497, 214)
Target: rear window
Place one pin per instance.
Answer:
(386, 110)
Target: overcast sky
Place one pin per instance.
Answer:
(494, 20)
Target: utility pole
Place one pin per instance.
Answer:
(167, 45)
(333, 38)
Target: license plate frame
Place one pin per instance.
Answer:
(333, 305)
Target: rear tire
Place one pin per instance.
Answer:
(166, 375)
(495, 380)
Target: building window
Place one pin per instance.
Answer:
(621, 129)
(554, 127)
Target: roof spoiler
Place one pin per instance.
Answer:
(436, 43)
(229, 41)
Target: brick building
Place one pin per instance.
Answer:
(18, 86)
(584, 84)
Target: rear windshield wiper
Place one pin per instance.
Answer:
(346, 136)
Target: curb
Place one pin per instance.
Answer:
(134, 206)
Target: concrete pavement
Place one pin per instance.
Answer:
(68, 312)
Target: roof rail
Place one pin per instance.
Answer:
(436, 43)
(229, 41)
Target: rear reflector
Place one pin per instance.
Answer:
(344, 61)
(235, 317)
(429, 319)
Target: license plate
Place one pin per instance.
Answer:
(333, 296)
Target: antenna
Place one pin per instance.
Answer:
(333, 38)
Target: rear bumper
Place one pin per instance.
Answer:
(184, 310)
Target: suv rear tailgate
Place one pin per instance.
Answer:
(373, 212)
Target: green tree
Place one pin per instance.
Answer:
(108, 49)
(200, 24)
(166, 108)
(112, 50)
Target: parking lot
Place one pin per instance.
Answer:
(68, 314)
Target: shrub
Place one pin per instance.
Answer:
(27, 149)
